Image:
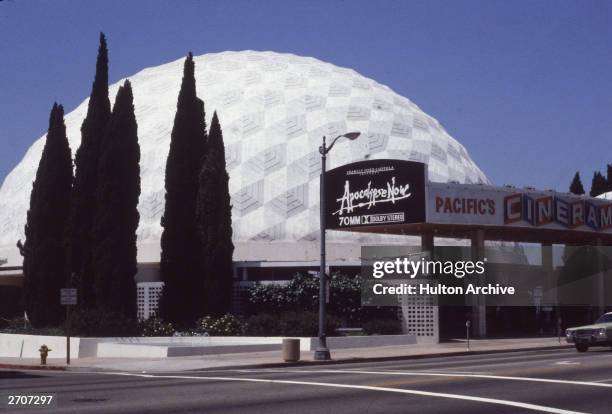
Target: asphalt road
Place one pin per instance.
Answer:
(559, 381)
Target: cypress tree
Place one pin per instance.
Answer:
(86, 176)
(214, 222)
(609, 178)
(576, 185)
(179, 240)
(598, 185)
(45, 262)
(116, 216)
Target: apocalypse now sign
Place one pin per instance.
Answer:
(375, 193)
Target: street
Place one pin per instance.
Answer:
(556, 381)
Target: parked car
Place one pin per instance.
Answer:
(597, 334)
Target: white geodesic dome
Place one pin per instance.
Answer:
(274, 108)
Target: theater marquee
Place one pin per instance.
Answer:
(394, 196)
(375, 192)
(470, 204)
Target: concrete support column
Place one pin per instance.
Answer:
(599, 280)
(549, 290)
(420, 316)
(427, 241)
(479, 308)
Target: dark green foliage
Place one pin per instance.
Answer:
(155, 327)
(86, 177)
(306, 324)
(214, 221)
(116, 216)
(18, 325)
(291, 323)
(576, 185)
(99, 322)
(180, 247)
(598, 185)
(302, 294)
(226, 325)
(11, 302)
(382, 327)
(262, 324)
(609, 178)
(45, 262)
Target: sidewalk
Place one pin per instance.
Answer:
(273, 358)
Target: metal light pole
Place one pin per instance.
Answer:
(322, 352)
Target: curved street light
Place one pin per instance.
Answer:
(322, 351)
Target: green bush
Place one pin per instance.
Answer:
(263, 324)
(382, 327)
(19, 325)
(155, 327)
(98, 322)
(289, 324)
(302, 294)
(305, 324)
(226, 325)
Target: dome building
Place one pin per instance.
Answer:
(274, 110)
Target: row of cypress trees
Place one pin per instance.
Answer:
(81, 230)
(196, 243)
(599, 183)
(46, 262)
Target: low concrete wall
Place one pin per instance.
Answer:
(26, 346)
(113, 350)
(343, 342)
(208, 341)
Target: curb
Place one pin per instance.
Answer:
(305, 363)
(34, 367)
(383, 359)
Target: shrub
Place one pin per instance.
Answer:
(305, 324)
(19, 325)
(155, 327)
(226, 325)
(382, 327)
(302, 294)
(98, 322)
(263, 324)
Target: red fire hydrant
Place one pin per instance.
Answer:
(44, 352)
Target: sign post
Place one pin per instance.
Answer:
(68, 298)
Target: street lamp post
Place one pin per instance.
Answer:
(322, 351)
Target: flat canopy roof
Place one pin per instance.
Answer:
(517, 234)
(394, 197)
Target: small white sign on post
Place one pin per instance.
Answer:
(68, 296)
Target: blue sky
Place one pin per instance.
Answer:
(526, 86)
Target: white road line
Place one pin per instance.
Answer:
(451, 371)
(443, 374)
(517, 404)
(567, 363)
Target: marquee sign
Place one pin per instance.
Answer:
(375, 192)
(379, 193)
(510, 207)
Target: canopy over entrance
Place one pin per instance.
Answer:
(394, 197)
